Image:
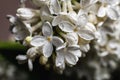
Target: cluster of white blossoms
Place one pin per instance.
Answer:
(61, 30)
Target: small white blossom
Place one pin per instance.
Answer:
(30, 56)
(107, 9)
(67, 54)
(20, 29)
(47, 40)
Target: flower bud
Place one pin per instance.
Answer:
(43, 60)
(27, 13)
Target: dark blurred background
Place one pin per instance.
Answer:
(6, 7)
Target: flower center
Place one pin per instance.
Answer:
(49, 39)
(76, 29)
(65, 49)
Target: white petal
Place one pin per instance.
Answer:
(21, 57)
(55, 7)
(66, 26)
(47, 29)
(45, 13)
(74, 47)
(20, 30)
(57, 41)
(90, 26)
(60, 18)
(86, 34)
(31, 52)
(72, 38)
(113, 2)
(77, 53)
(73, 16)
(30, 65)
(37, 41)
(93, 1)
(75, 50)
(21, 35)
(85, 48)
(112, 13)
(101, 11)
(81, 18)
(61, 47)
(84, 3)
(47, 49)
(11, 19)
(59, 59)
(70, 59)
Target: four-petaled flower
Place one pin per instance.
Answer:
(67, 54)
(47, 40)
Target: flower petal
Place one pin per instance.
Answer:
(86, 34)
(72, 38)
(71, 59)
(59, 62)
(55, 7)
(21, 57)
(38, 41)
(47, 49)
(101, 11)
(112, 13)
(66, 26)
(57, 41)
(61, 17)
(85, 47)
(47, 29)
(31, 52)
(20, 30)
(45, 13)
(81, 18)
(76, 53)
(90, 26)
(75, 50)
(30, 65)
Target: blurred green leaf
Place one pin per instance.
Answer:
(11, 46)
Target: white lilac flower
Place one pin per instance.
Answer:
(86, 32)
(68, 54)
(47, 40)
(27, 13)
(30, 56)
(20, 29)
(107, 9)
(83, 28)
